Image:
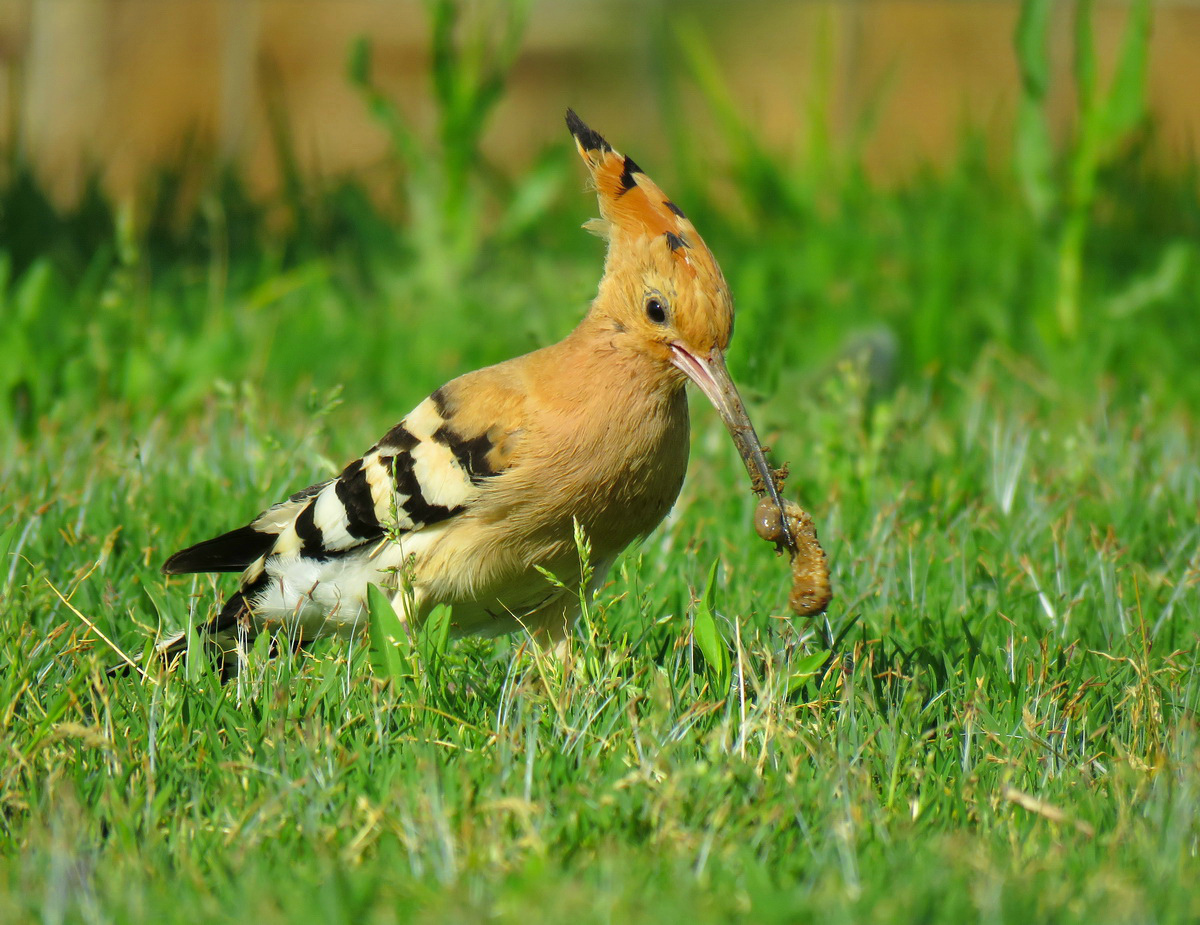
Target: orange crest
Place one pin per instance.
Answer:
(631, 203)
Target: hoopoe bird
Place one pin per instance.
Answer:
(480, 486)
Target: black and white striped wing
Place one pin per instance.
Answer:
(424, 471)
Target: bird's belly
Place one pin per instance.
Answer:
(322, 597)
(315, 597)
(512, 610)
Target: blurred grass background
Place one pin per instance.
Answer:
(967, 314)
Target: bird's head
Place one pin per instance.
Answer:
(662, 287)
(661, 282)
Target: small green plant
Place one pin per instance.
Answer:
(410, 659)
(446, 180)
(1061, 187)
(391, 645)
(709, 640)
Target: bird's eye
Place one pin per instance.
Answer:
(656, 310)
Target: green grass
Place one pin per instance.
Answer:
(1002, 730)
(1017, 590)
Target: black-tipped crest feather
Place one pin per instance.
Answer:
(589, 138)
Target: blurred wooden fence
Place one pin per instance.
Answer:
(119, 85)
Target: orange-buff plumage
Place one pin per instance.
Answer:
(480, 486)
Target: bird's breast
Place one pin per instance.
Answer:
(645, 473)
(616, 466)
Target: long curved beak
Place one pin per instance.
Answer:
(714, 381)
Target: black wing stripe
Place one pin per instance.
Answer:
(354, 491)
(441, 402)
(471, 453)
(411, 499)
(398, 438)
(311, 536)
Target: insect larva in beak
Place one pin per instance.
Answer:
(811, 591)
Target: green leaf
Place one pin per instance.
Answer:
(435, 635)
(194, 656)
(1085, 60)
(7, 540)
(389, 639)
(806, 668)
(1126, 104)
(1030, 42)
(709, 639)
(35, 291)
(358, 63)
(1159, 284)
(1034, 161)
(260, 651)
(57, 709)
(1034, 149)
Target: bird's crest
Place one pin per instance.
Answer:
(631, 204)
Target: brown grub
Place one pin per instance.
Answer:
(811, 591)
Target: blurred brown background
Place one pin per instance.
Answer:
(118, 85)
